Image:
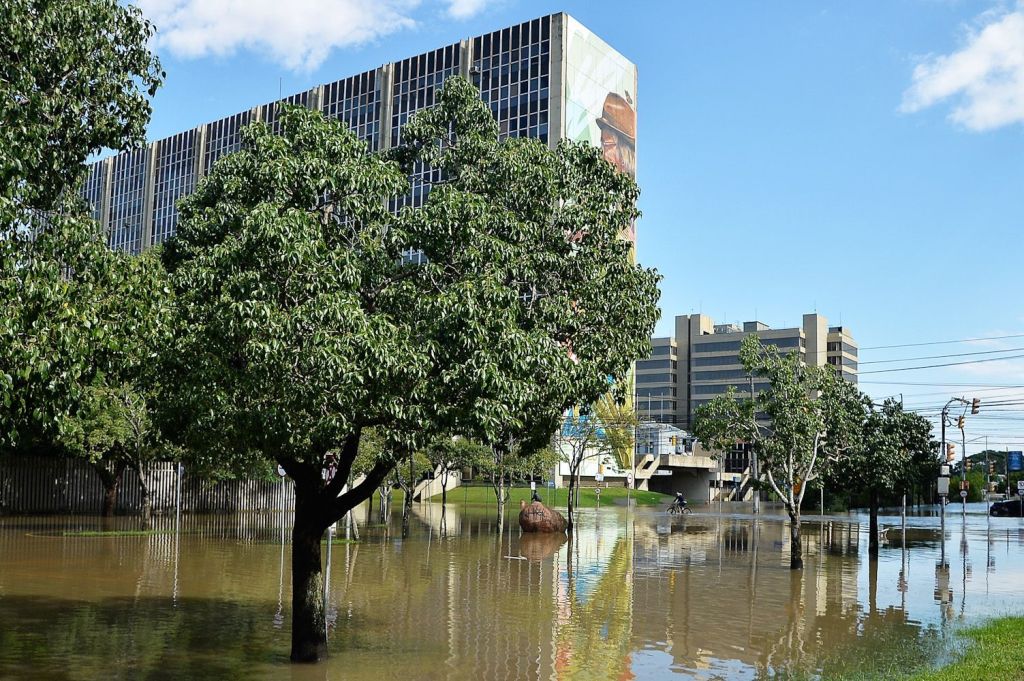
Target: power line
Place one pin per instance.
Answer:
(943, 385)
(948, 342)
(957, 354)
(946, 364)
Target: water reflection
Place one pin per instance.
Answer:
(634, 595)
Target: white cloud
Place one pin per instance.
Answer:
(299, 34)
(464, 9)
(985, 77)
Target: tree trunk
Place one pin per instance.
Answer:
(444, 487)
(309, 626)
(147, 504)
(796, 557)
(873, 524)
(499, 492)
(570, 505)
(111, 480)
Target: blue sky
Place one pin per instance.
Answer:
(865, 160)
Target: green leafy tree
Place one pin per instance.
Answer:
(113, 431)
(807, 420)
(446, 454)
(302, 324)
(74, 79)
(581, 438)
(883, 460)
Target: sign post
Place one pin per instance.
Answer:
(942, 486)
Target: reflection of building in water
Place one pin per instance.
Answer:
(719, 589)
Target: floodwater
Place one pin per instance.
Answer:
(637, 594)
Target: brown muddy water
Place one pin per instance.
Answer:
(637, 594)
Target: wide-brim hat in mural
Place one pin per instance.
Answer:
(618, 115)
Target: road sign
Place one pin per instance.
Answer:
(1020, 487)
(551, 484)
(1015, 461)
(629, 478)
(943, 486)
(280, 471)
(963, 494)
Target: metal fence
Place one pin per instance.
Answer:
(52, 485)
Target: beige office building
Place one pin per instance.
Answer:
(701, 361)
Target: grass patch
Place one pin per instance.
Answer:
(993, 652)
(113, 533)
(611, 496)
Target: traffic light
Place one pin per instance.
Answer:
(950, 452)
(960, 422)
(991, 467)
(968, 465)
(975, 405)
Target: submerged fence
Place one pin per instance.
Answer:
(52, 485)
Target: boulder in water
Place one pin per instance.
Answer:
(536, 517)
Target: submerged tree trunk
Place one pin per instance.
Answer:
(796, 556)
(309, 626)
(444, 486)
(873, 524)
(111, 479)
(146, 510)
(499, 493)
(570, 507)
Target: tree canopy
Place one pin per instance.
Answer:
(302, 324)
(803, 423)
(74, 78)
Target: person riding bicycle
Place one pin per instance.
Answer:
(680, 503)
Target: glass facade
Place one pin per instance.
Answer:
(416, 83)
(271, 113)
(224, 137)
(92, 190)
(175, 177)
(716, 361)
(512, 69)
(655, 364)
(129, 179)
(356, 101)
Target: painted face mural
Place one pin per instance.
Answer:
(600, 100)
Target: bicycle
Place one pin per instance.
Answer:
(676, 509)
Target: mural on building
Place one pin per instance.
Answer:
(600, 99)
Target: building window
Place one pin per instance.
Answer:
(129, 179)
(175, 177)
(356, 102)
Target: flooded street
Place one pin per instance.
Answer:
(637, 594)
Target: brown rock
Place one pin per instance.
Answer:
(539, 518)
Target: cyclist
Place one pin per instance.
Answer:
(679, 505)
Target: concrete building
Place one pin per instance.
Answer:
(701, 361)
(549, 78)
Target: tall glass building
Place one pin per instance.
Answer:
(549, 78)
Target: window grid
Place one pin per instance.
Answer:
(512, 68)
(92, 191)
(129, 179)
(175, 177)
(271, 112)
(416, 82)
(356, 102)
(223, 137)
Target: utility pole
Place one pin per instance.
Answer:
(753, 453)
